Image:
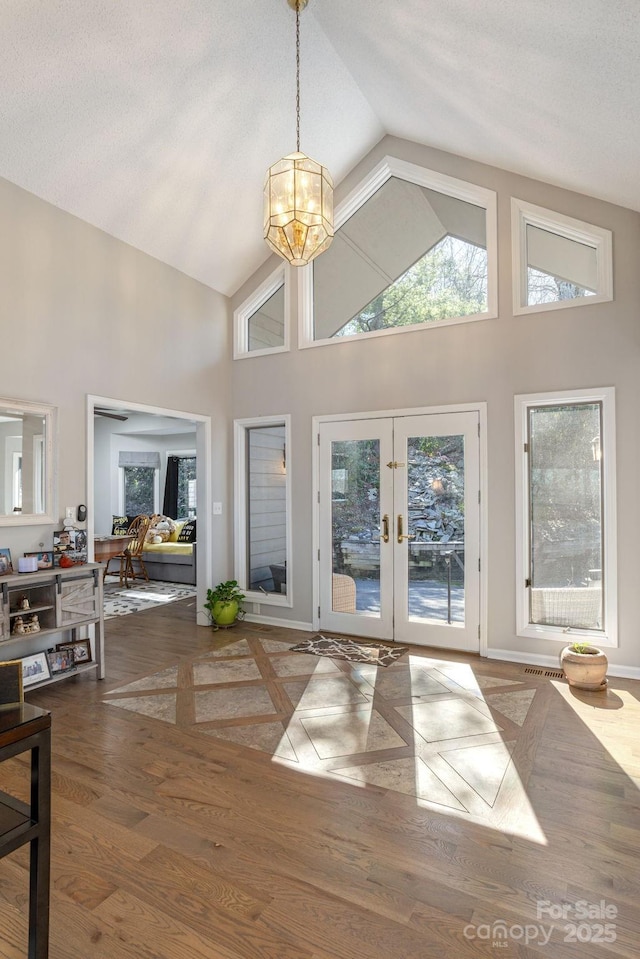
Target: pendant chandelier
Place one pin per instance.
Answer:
(298, 193)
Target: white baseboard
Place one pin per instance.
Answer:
(273, 621)
(553, 662)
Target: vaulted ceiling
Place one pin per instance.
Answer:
(157, 121)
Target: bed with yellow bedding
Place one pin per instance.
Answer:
(172, 559)
(171, 562)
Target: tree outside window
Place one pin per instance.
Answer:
(187, 486)
(139, 490)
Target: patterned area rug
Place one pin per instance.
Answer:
(376, 654)
(119, 601)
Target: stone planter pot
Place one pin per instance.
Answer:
(586, 670)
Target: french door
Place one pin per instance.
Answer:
(399, 528)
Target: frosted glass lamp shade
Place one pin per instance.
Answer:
(298, 208)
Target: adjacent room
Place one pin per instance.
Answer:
(318, 498)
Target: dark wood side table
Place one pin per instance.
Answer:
(24, 727)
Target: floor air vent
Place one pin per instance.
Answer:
(548, 673)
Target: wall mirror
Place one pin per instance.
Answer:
(27, 433)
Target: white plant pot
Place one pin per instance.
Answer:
(585, 670)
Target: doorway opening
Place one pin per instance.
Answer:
(129, 447)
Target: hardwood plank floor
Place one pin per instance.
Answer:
(221, 797)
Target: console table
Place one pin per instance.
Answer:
(63, 600)
(24, 727)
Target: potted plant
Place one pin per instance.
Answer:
(584, 665)
(224, 603)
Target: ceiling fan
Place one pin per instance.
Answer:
(110, 414)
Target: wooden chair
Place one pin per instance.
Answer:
(131, 553)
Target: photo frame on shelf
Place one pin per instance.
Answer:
(35, 669)
(69, 547)
(11, 690)
(6, 566)
(80, 649)
(44, 558)
(60, 661)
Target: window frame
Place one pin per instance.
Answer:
(241, 498)
(524, 214)
(280, 277)
(608, 637)
(442, 183)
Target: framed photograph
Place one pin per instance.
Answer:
(60, 661)
(72, 544)
(45, 559)
(11, 682)
(35, 669)
(80, 650)
(6, 566)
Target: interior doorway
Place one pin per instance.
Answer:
(149, 429)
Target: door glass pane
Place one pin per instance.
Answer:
(355, 526)
(266, 508)
(435, 510)
(565, 484)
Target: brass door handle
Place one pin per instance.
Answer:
(402, 535)
(384, 536)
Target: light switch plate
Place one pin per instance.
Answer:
(70, 514)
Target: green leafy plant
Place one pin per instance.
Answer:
(584, 648)
(224, 602)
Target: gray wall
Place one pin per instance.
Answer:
(491, 360)
(80, 313)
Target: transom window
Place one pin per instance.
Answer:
(412, 248)
(261, 323)
(558, 261)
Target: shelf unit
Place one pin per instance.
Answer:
(64, 600)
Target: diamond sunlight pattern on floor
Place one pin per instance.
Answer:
(439, 731)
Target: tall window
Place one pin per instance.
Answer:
(567, 556)
(263, 534)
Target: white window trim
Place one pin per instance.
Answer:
(240, 428)
(525, 214)
(377, 177)
(281, 276)
(609, 636)
(156, 490)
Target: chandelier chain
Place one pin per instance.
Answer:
(298, 77)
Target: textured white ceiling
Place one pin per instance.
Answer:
(156, 122)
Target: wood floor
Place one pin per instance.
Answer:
(170, 842)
